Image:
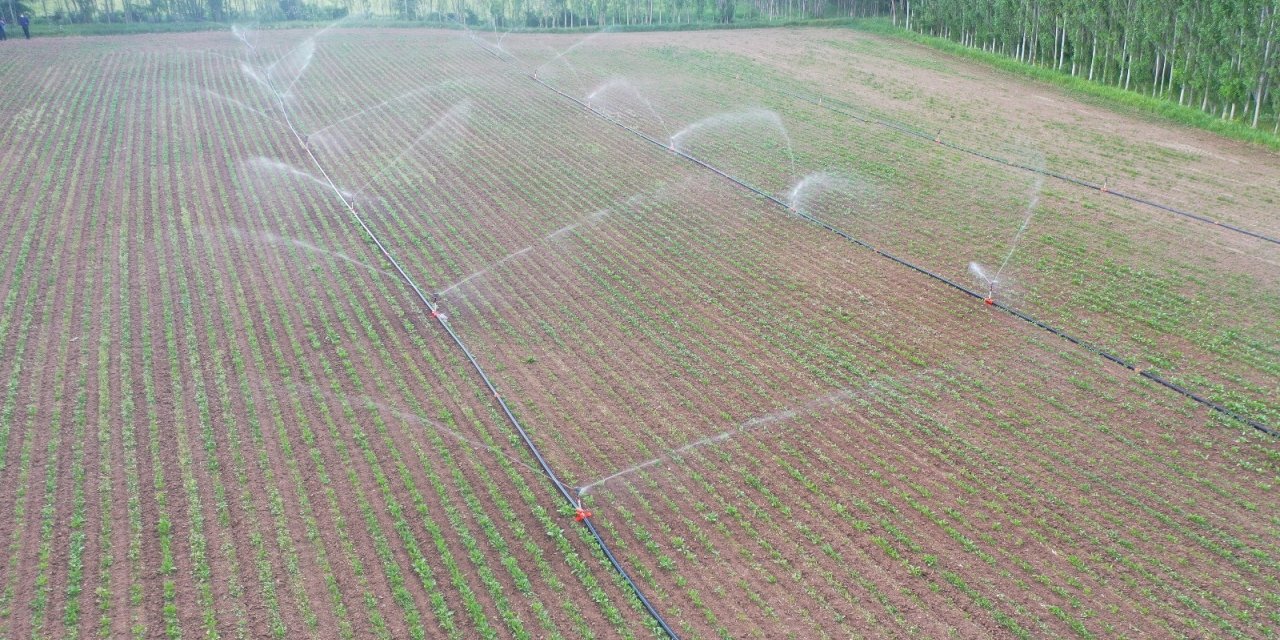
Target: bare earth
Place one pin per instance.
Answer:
(223, 414)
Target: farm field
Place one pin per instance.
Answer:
(692, 265)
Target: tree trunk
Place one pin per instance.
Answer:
(1124, 57)
(1260, 89)
(1156, 81)
(1093, 56)
(1257, 104)
(1062, 51)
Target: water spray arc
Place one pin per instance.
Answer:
(457, 111)
(751, 424)
(547, 239)
(986, 298)
(560, 55)
(581, 514)
(835, 106)
(432, 308)
(817, 181)
(511, 256)
(770, 118)
(1017, 237)
(238, 104)
(992, 280)
(621, 84)
(375, 108)
(273, 239)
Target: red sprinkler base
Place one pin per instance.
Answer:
(580, 514)
(990, 301)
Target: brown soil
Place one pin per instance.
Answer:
(826, 443)
(977, 107)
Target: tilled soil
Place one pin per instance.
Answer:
(779, 431)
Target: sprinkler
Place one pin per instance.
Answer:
(989, 300)
(1104, 185)
(580, 513)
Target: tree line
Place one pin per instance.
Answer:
(499, 13)
(1221, 56)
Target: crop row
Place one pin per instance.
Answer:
(1093, 265)
(283, 444)
(931, 94)
(417, 384)
(521, 280)
(236, 445)
(666, 411)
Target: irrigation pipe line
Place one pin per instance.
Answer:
(581, 514)
(1206, 402)
(844, 109)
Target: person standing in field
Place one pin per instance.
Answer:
(25, 23)
(2, 36)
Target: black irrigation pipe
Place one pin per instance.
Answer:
(844, 109)
(1087, 346)
(580, 514)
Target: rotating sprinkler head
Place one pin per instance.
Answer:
(991, 291)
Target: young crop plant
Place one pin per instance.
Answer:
(400, 594)
(243, 423)
(370, 332)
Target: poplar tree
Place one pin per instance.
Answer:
(1220, 55)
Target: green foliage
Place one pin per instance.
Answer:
(101, 16)
(1221, 59)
